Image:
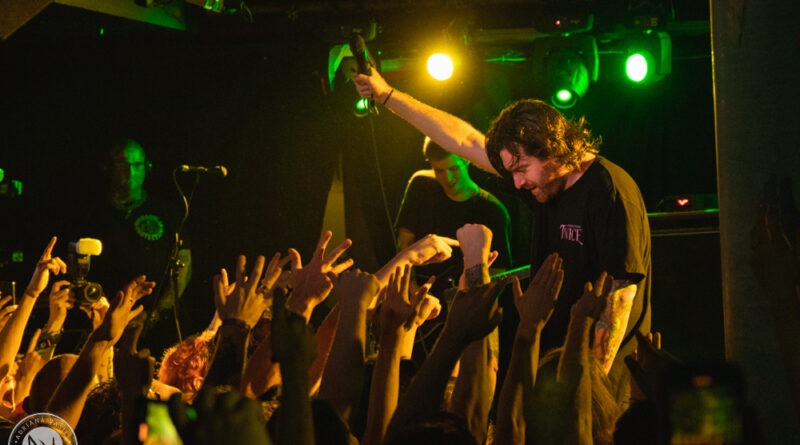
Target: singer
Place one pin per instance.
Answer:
(137, 227)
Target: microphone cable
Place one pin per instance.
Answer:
(373, 110)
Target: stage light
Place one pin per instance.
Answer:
(649, 56)
(569, 79)
(636, 67)
(564, 98)
(440, 66)
(361, 107)
(564, 67)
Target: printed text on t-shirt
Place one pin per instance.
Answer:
(572, 232)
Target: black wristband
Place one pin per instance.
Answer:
(388, 96)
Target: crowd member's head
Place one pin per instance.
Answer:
(186, 364)
(451, 171)
(605, 411)
(102, 414)
(537, 146)
(127, 167)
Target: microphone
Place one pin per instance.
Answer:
(218, 170)
(363, 60)
(359, 50)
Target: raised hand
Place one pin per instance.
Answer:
(246, 299)
(535, 306)
(593, 300)
(475, 241)
(133, 369)
(6, 310)
(61, 301)
(41, 275)
(357, 288)
(403, 310)
(372, 86)
(313, 282)
(96, 311)
(647, 364)
(474, 313)
(122, 310)
(274, 272)
(429, 249)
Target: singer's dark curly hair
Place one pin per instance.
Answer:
(534, 128)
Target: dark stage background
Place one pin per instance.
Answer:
(253, 97)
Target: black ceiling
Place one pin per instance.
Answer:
(331, 21)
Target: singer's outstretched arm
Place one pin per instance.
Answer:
(450, 132)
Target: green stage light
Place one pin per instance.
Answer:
(564, 98)
(636, 67)
(649, 57)
(569, 79)
(361, 107)
(564, 67)
(440, 66)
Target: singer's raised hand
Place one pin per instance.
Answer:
(372, 86)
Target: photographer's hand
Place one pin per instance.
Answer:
(96, 311)
(61, 301)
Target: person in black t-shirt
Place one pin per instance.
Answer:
(442, 199)
(138, 232)
(585, 208)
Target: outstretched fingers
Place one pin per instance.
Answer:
(274, 270)
(241, 277)
(220, 288)
(327, 261)
(319, 252)
(254, 279)
(295, 259)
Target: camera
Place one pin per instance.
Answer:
(78, 264)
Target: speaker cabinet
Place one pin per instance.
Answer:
(687, 286)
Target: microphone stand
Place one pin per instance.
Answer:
(174, 263)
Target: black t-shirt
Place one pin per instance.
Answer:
(135, 242)
(598, 224)
(427, 209)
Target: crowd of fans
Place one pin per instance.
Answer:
(262, 372)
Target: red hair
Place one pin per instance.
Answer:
(185, 364)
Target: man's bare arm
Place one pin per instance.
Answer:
(450, 132)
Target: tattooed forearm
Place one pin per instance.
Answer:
(611, 327)
(476, 275)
